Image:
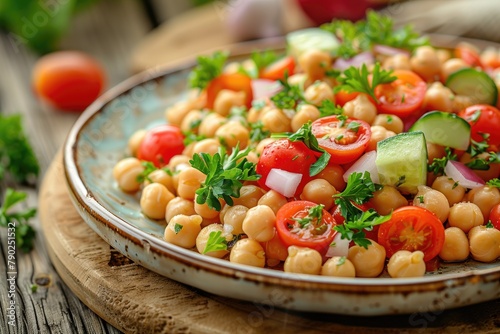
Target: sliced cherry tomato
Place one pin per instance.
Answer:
(495, 216)
(68, 80)
(345, 140)
(277, 69)
(484, 119)
(237, 82)
(316, 234)
(160, 144)
(412, 228)
(403, 96)
(342, 97)
(469, 54)
(294, 157)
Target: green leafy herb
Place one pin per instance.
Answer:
(421, 199)
(477, 147)
(215, 242)
(207, 69)
(356, 79)
(289, 97)
(225, 174)
(178, 228)
(494, 183)
(314, 214)
(490, 224)
(475, 116)
(354, 229)
(438, 164)
(257, 132)
(483, 163)
(264, 58)
(341, 261)
(25, 234)
(328, 108)
(192, 137)
(149, 167)
(16, 155)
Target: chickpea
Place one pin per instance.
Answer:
(162, 177)
(234, 217)
(338, 266)
(306, 112)
(379, 133)
(275, 120)
(433, 201)
(465, 216)
(484, 243)
(207, 145)
(404, 263)
(319, 191)
(252, 157)
(204, 211)
(390, 122)
(179, 206)
(438, 97)
(154, 200)
(192, 120)
(210, 123)
(190, 180)
(399, 61)
(135, 141)
(485, 198)
(233, 133)
(249, 196)
(303, 260)
(334, 174)
(226, 99)
(425, 62)
(361, 108)
(315, 63)
(447, 186)
(276, 250)
(273, 199)
(387, 199)
(368, 262)
(450, 66)
(202, 238)
(489, 55)
(178, 162)
(176, 113)
(434, 151)
(126, 171)
(456, 245)
(259, 223)
(443, 55)
(461, 102)
(182, 230)
(249, 252)
(318, 92)
(486, 175)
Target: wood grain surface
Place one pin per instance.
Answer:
(136, 300)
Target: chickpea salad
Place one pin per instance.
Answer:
(362, 151)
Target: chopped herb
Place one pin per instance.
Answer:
(490, 224)
(341, 261)
(421, 199)
(390, 119)
(257, 132)
(178, 228)
(477, 147)
(264, 58)
(192, 137)
(215, 242)
(295, 157)
(493, 183)
(314, 214)
(438, 164)
(289, 97)
(339, 137)
(225, 174)
(207, 69)
(403, 98)
(475, 116)
(258, 104)
(353, 229)
(483, 163)
(353, 126)
(455, 184)
(328, 108)
(149, 167)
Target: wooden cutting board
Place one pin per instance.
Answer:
(136, 300)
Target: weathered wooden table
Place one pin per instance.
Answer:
(109, 31)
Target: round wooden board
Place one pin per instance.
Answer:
(136, 300)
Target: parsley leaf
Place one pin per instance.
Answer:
(438, 164)
(494, 183)
(354, 229)
(207, 69)
(178, 228)
(289, 97)
(328, 108)
(314, 214)
(225, 174)
(257, 132)
(264, 58)
(215, 242)
(149, 167)
(477, 147)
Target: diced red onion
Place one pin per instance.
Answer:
(385, 50)
(366, 163)
(462, 174)
(264, 88)
(338, 247)
(284, 182)
(356, 61)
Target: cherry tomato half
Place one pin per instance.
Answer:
(294, 157)
(484, 119)
(277, 69)
(412, 228)
(403, 96)
(234, 81)
(469, 54)
(495, 216)
(345, 140)
(342, 97)
(68, 80)
(160, 144)
(317, 235)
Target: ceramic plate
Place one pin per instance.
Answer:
(99, 139)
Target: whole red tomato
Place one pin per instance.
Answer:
(484, 120)
(160, 144)
(68, 80)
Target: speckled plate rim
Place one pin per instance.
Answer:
(82, 196)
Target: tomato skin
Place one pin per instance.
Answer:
(495, 216)
(407, 224)
(403, 96)
(469, 54)
(294, 157)
(68, 80)
(160, 144)
(483, 118)
(299, 209)
(341, 153)
(342, 97)
(234, 81)
(277, 70)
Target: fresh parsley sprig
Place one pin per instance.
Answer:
(289, 96)
(328, 108)
(207, 69)
(355, 79)
(215, 242)
(225, 174)
(355, 229)
(438, 164)
(257, 132)
(25, 234)
(149, 168)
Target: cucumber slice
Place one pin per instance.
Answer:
(402, 161)
(311, 38)
(444, 128)
(475, 84)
